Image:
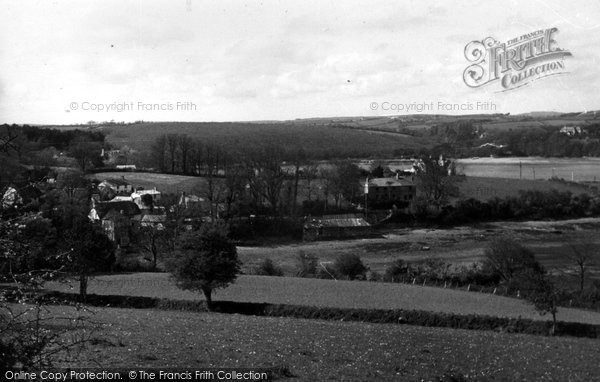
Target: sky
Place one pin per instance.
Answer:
(64, 62)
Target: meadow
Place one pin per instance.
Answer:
(311, 350)
(330, 293)
(165, 183)
(322, 141)
(485, 185)
(578, 169)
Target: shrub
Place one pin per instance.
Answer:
(398, 270)
(373, 276)
(506, 259)
(350, 266)
(268, 268)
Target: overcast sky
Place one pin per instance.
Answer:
(236, 60)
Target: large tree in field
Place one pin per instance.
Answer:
(206, 260)
(90, 252)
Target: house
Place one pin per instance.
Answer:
(118, 186)
(153, 220)
(138, 194)
(189, 201)
(335, 227)
(11, 198)
(125, 167)
(393, 190)
(572, 130)
(25, 195)
(117, 219)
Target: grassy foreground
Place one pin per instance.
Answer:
(315, 350)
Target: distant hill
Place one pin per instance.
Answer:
(541, 114)
(337, 137)
(324, 141)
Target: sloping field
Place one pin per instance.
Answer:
(314, 350)
(165, 183)
(484, 188)
(322, 141)
(580, 169)
(331, 293)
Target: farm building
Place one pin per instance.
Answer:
(138, 194)
(335, 227)
(572, 130)
(390, 190)
(117, 186)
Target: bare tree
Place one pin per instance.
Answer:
(265, 174)
(172, 144)
(159, 148)
(213, 158)
(310, 173)
(581, 257)
(185, 147)
(299, 159)
(436, 181)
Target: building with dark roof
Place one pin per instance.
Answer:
(387, 191)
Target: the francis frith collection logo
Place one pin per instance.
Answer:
(516, 62)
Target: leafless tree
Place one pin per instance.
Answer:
(581, 256)
(265, 174)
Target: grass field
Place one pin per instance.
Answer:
(582, 169)
(486, 187)
(313, 350)
(331, 293)
(165, 183)
(323, 141)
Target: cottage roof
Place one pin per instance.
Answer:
(338, 222)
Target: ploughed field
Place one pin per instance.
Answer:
(329, 293)
(314, 350)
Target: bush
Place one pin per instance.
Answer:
(307, 265)
(397, 271)
(506, 259)
(268, 268)
(350, 266)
